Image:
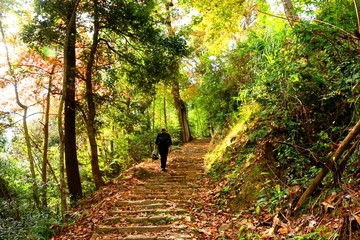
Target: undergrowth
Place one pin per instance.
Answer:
(256, 171)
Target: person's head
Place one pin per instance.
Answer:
(163, 130)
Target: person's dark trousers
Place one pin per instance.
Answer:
(163, 156)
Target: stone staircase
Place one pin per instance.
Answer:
(156, 207)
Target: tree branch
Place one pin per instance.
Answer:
(330, 164)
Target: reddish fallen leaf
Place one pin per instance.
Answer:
(283, 231)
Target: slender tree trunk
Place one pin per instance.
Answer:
(329, 166)
(90, 121)
(46, 143)
(358, 17)
(165, 119)
(72, 167)
(290, 12)
(25, 127)
(61, 157)
(31, 158)
(347, 156)
(178, 102)
(153, 114)
(128, 124)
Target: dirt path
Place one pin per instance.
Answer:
(156, 203)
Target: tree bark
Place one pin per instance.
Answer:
(46, 142)
(330, 164)
(25, 127)
(182, 114)
(72, 167)
(165, 118)
(153, 114)
(347, 156)
(61, 157)
(178, 102)
(357, 17)
(290, 12)
(90, 120)
(4, 189)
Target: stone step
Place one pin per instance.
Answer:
(134, 212)
(171, 181)
(150, 206)
(160, 191)
(167, 235)
(137, 229)
(152, 183)
(161, 196)
(155, 187)
(187, 165)
(177, 177)
(181, 175)
(151, 219)
(149, 202)
(182, 170)
(180, 181)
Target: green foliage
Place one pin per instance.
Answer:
(30, 225)
(18, 217)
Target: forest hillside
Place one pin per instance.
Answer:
(268, 89)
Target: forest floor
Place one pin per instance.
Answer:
(182, 203)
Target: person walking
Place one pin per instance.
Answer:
(164, 144)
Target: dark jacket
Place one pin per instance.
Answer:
(163, 140)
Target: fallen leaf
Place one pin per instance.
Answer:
(283, 231)
(327, 206)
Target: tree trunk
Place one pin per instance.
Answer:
(72, 167)
(61, 157)
(165, 119)
(182, 114)
(31, 159)
(357, 16)
(290, 12)
(90, 121)
(329, 166)
(4, 189)
(153, 114)
(46, 143)
(178, 102)
(347, 156)
(25, 127)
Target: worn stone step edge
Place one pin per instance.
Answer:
(162, 218)
(164, 187)
(149, 211)
(152, 206)
(179, 176)
(175, 178)
(156, 196)
(166, 236)
(181, 171)
(170, 197)
(171, 181)
(150, 201)
(137, 229)
(162, 191)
